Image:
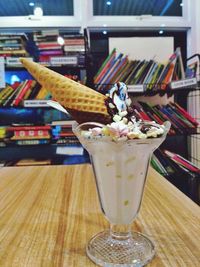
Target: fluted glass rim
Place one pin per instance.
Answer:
(77, 126)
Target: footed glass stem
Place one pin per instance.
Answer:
(119, 246)
(135, 251)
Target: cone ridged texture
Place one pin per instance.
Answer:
(83, 103)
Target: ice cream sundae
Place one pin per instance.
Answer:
(120, 147)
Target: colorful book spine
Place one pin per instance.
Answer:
(22, 92)
(108, 73)
(105, 66)
(29, 128)
(5, 93)
(182, 161)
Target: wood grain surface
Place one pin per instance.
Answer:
(47, 215)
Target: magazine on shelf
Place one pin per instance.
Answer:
(193, 67)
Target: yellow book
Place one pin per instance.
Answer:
(27, 94)
(5, 94)
(2, 132)
(42, 93)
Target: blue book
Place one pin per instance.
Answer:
(117, 69)
(112, 68)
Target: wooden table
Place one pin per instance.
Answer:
(47, 214)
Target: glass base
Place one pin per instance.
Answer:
(107, 251)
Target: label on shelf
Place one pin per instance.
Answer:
(67, 60)
(36, 103)
(183, 83)
(69, 150)
(74, 48)
(2, 73)
(13, 61)
(136, 88)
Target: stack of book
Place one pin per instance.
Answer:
(13, 44)
(16, 94)
(74, 47)
(66, 141)
(48, 46)
(181, 121)
(56, 49)
(179, 171)
(62, 133)
(29, 134)
(150, 74)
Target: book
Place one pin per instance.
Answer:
(145, 72)
(42, 94)
(140, 114)
(5, 93)
(29, 91)
(32, 142)
(160, 166)
(139, 72)
(150, 74)
(108, 73)
(180, 120)
(114, 75)
(193, 67)
(169, 168)
(104, 65)
(119, 73)
(182, 161)
(24, 88)
(11, 97)
(61, 122)
(31, 162)
(180, 63)
(154, 80)
(34, 91)
(31, 127)
(180, 116)
(136, 67)
(185, 113)
(126, 71)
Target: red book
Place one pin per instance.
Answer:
(142, 115)
(106, 67)
(185, 114)
(182, 161)
(29, 128)
(30, 134)
(74, 41)
(22, 92)
(66, 134)
(51, 45)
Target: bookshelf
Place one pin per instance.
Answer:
(45, 134)
(38, 134)
(86, 67)
(155, 92)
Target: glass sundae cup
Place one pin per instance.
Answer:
(120, 170)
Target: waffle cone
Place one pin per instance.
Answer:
(83, 103)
